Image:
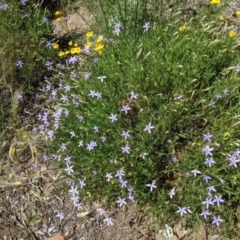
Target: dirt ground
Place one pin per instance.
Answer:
(33, 191)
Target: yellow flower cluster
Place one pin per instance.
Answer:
(57, 14)
(73, 49)
(215, 2)
(95, 44)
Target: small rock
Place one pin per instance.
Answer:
(56, 237)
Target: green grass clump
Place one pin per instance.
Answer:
(155, 109)
(23, 38)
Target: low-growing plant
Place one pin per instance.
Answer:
(152, 116)
(22, 43)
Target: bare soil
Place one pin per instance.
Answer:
(32, 191)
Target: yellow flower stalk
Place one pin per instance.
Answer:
(89, 34)
(232, 33)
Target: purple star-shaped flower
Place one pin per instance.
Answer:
(120, 173)
(151, 186)
(109, 177)
(87, 75)
(60, 215)
(45, 20)
(211, 189)
(207, 137)
(216, 221)
(209, 162)
(233, 160)
(172, 193)
(20, 63)
(69, 169)
(205, 214)
(125, 134)
(68, 159)
(73, 190)
(91, 145)
(195, 172)
(92, 93)
(101, 78)
(100, 211)
(108, 220)
(148, 128)
(121, 201)
(208, 202)
(182, 211)
(72, 59)
(4, 6)
(206, 178)
(218, 200)
(146, 26)
(82, 184)
(123, 183)
(23, 2)
(125, 109)
(49, 44)
(126, 149)
(133, 95)
(207, 150)
(113, 117)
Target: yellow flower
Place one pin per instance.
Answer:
(61, 54)
(99, 39)
(238, 13)
(232, 33)
(70, 43)
(89, 194)
(215, 1)
(229, 17)
(75, 50)
(87, 45)
(182, 28)
(100, 51)
(227, 134)
(57, 13)
(34, 149)
(221, 18)
(89, 34)
(67, 52)
(75, 45)
(98, 46)
(58, 19)
(55, 45)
